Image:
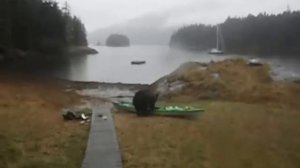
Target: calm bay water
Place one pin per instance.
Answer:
(113, 64)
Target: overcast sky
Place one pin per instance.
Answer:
(97, 14)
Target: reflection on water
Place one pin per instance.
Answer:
(114, 64)
(72, 69)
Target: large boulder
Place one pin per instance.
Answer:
(232, 79)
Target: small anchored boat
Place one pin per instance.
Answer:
(255, 62)
(138, 62)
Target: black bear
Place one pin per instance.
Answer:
(144, 102)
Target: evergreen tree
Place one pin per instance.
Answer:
(38, 25)
(261, 34)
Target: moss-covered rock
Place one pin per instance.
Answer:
(232, 79)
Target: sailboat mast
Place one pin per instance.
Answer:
(217, 37)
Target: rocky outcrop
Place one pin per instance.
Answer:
(227, 80)
(81, 50)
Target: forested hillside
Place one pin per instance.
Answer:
(38, 25)
(261, 34)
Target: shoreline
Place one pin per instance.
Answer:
(95, 84)
(20, 55)
(81, 50)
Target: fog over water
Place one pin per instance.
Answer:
(104, 13)
(153, 21)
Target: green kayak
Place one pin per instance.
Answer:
(162, 110)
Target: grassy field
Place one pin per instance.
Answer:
(250, 122)
(227, 135)
(32, 131)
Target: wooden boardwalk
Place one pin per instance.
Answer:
(103, 148)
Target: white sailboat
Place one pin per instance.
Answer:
(217, 50)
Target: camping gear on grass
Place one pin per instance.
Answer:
(78, 114)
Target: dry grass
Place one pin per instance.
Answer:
(250, 122)
(158, 142)
(32, 131)
(235, 81)
(228, 135)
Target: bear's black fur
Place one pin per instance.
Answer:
(144, 102)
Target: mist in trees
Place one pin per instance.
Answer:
(195, 37)
(262, 34)
(39, 26)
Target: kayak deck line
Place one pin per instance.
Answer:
(161, 110)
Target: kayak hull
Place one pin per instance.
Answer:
(162, 110)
